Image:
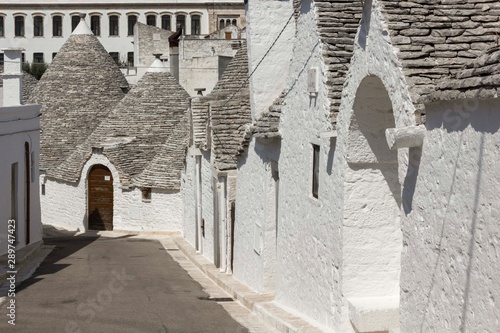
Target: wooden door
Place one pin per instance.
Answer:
(100, 198)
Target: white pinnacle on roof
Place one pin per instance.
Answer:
(82, 27)
(157, 66)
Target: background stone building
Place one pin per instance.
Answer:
(42, 27)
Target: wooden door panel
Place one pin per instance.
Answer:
(100, 198)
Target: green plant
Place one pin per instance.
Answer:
(26, 67)
(37, 70)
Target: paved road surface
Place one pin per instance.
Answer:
(98, 284)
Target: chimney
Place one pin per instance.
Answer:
(12, 76)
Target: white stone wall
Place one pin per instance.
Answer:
(372, 192)
(65, 204)
(12, 151)
(255, 214)
(309, 232)
(188, 191)
(207, 204)
(451, 257)
(199, 62)
(207, 201)
(265, 20)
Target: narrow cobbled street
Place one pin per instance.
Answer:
(122, 284)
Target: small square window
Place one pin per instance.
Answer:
(75, 20)
(165, 22)
(113, 25)
(151, 20)
(132, 20)
(38, 26)
(315, 175)
(95, 25)
(115, 56)
(38, 58)
(146, 194)
(57, 26)
(130, 59)
(19, 26)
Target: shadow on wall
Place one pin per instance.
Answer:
(456, 116)
(368, 149)
(365, 24)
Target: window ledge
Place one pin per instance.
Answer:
(374, 314)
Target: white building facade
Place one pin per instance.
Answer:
(42, 27)
(20, 151)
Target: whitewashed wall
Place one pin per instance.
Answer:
(12, 151)
(189, 205)
(451, 258)
(369, 201)
(207, 203)
(65, 204)
(255, 213)
(265, 20)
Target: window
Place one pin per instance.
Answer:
(195, 25)
(38, 58)
(181, 23)
(165, 22)
(132, 20)
(113, 25)
(115, 56)
(151, 20)
(146, 194)
(57, 26)
(1, 58)
(235, 22)
(315, 178)
(228, 22)
(95, 24)
(2, 33)
(130, 59)
(54, 55)
(19, 26)
(75, 20)
(221, 24)
(38, 26)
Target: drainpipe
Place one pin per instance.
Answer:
(223, 224)
(198, 204)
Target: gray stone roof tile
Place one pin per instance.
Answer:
(144, 136)
(267, 126)
(230, 112)
(29, 83)
(338, 22)
(77, 92)
(438, 41)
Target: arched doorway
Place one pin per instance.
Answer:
(100, 198)
(372, 237)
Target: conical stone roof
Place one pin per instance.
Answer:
(78, 91)
(137, 130)
(230, 112)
